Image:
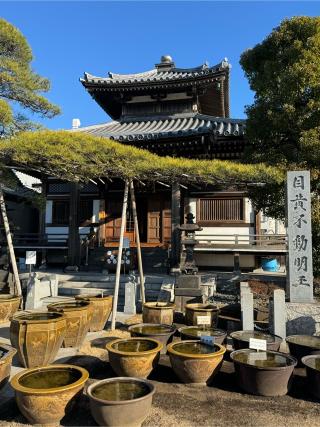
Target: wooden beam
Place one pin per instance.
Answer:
(136, 229)
(175, 222)
(117, 281)
(10, 244)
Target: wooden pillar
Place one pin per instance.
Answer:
(42, 223)
(10, 244)
(175, 222)
(117, 281)
(136, 229)
(74, 238)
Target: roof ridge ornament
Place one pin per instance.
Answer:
(166, 63)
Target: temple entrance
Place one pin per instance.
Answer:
(154, 218)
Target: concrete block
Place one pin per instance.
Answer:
(246, 300)
(277, 313)
(181, 301)
(188, 292)
(190, 282)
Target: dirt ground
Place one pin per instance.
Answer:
(176, 404)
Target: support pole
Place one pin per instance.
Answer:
(117, 281)
(175, 222)
(136, 229)
(10, 244)
(74, 237)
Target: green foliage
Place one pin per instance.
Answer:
(20, 86)
(77, 156)
(283, 124)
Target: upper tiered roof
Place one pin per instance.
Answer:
(207, 86)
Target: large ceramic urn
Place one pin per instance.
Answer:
(78, 317)
(6, 355)
(101, 310)
(9, 304)
(45, 395)
(158, 312)
(37, 336)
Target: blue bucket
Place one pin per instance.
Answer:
(270, 264)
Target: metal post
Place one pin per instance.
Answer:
(9, 241)
(136, 229)
(117, 281)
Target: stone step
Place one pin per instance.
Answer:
(85, 291)
(100, 277)
(102, 285)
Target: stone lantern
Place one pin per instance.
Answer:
(189, 242)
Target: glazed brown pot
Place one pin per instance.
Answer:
(44, 403)
(9, 304)
(6, 355)
(195, 310)
(303, 345)
(121, 411)
(37, 336)
(259, 378)
(195, 362)
(101, 310)
(241, 339)
(196, 332)
(134, 357)
(312, 364)
(158, 312)
(159, 332)
(78, 316)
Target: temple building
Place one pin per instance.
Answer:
(169, 111)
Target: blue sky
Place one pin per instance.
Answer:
(68, 38)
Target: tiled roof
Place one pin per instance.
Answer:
(167, 127)
(158, 74)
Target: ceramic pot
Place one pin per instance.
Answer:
(134, 357)
(312, 364)
(303, 345)
(37, 336)
(9, 304)
(241, 339)
(195, 310)
(263, 373)
(45, 395)
(194, 361)
(101, 310)
(6, 355)
(159, 332)
(196, 332)
(78, 316)
(158, 312)
(120, 402)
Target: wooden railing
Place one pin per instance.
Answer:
(264, 240)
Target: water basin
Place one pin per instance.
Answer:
(120, 402)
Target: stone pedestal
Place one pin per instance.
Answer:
(188, 290)
(188, 282)
(302, 318)
(130, 298)
(181, 301)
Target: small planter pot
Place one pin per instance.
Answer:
(265, 373)
(9, 304)
(158, 312)
(6, 355)
(78, 316)
(194, 361)
(101, 310)
(134, 357)
(196, 332)
(241, 339)
(37, 337)
(159, 332)
(195, 310)
(120, 402)
(303, 345)
(312, 364)
(45, 395)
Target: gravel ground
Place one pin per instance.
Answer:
(176, 404)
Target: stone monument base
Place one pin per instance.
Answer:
(302, 318)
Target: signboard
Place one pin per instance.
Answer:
(207, 339)
(203, 320)
(31, 257)
(300, 270)
(257, 344)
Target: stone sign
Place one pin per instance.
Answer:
(300, 271)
